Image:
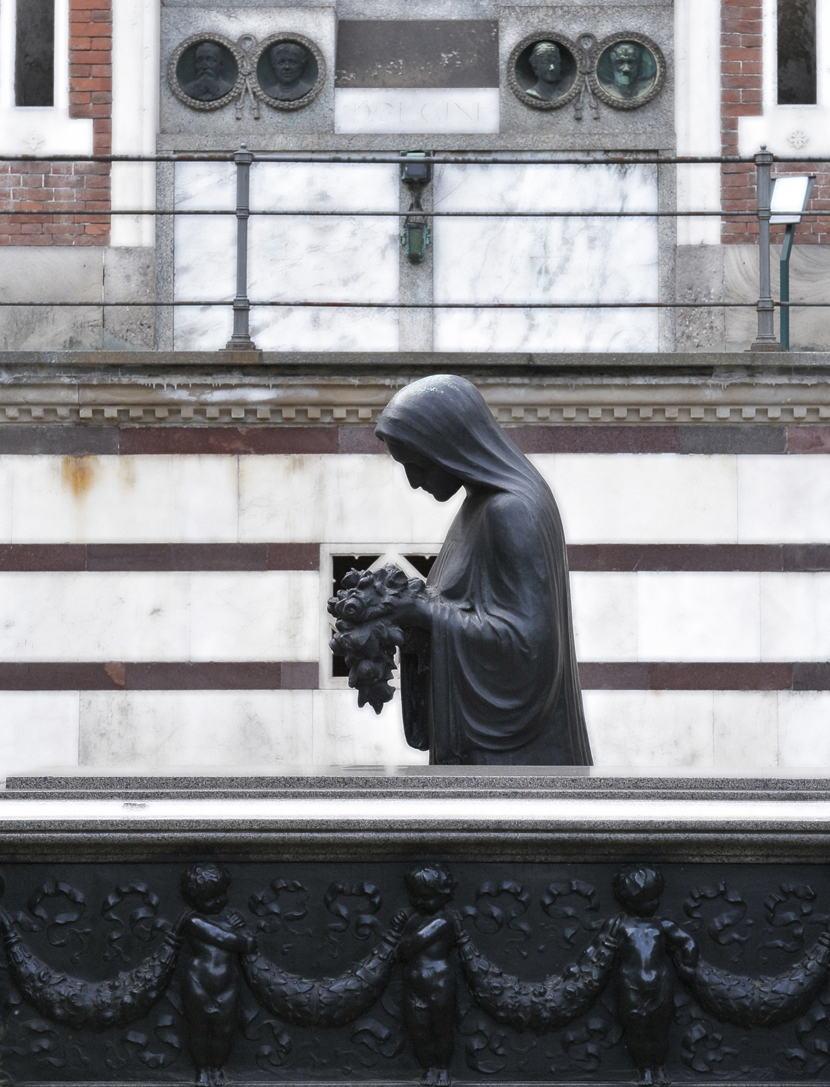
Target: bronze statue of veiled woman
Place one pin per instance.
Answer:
(494, 679)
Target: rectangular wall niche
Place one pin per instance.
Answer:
(796, 52)
(34, 69)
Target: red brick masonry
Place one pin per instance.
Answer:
(742, 96)
(67, 191)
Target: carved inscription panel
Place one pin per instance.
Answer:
(199, 971)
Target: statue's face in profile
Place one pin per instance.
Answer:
(288, 63)
(424, 474)
(208, 60)
(546, 62)
(625, 61)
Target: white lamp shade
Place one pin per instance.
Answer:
(789, 198)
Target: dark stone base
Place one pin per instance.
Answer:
(534, 966)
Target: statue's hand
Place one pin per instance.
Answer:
(609, 933)
(411, 610)
(686, 957)
(398, 922)
(684, 969)
(458, 925)
(236, 920)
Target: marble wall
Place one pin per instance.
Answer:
(538, 260)
(480, 262)
(324, 258)
(360, 499)
(182, 619)
(271, 731)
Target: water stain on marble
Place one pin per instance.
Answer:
(77, 473)
(117, 672)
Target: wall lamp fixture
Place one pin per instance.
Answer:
(416, 175)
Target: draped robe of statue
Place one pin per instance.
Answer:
(497, 682)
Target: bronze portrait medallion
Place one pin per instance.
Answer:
(290, 71)
(542, 71)
(629, 70)
(204, 71)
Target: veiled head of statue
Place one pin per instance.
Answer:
(444, 421)
(638, 890)
(204, 887)
(423, 474)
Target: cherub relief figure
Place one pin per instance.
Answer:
(214, 940)
(644, 980)
(428, 975)
(636, 951)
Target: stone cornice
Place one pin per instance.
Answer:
(220, 388)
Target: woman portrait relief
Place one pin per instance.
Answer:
(488, 671)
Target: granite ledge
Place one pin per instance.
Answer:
(43, 365)
(424, 783)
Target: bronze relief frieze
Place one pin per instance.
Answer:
(335, 971)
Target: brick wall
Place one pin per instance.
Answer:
(742, 96)
(63, 193)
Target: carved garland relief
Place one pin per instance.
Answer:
(424, 986)
(548, 70)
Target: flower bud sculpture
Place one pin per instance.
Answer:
(365, 636)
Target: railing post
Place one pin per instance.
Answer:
(784, 291)
(241, 338)
(765, 341)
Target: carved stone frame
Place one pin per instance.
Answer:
(519, 48)
(659, 79)
(312, 47)
(195, 103)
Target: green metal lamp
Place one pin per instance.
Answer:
(790, 196)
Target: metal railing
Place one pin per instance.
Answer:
(244, 159)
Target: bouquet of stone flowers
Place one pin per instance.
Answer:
(365, 636)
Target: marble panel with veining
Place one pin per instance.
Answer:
(647, 498)
(110, 499)
(803, 735)
(795, 616)
(346, 735)
(783, 499)
(746, 729)
(698, 616)
(324, 186)
(94, 616)
(354, 500)
(604, 609)
(40, 728)
(320, 328)
(302, 258)
(537, 258)
(650, 728)
(205, 255)
(255, 615)
(146, 730)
